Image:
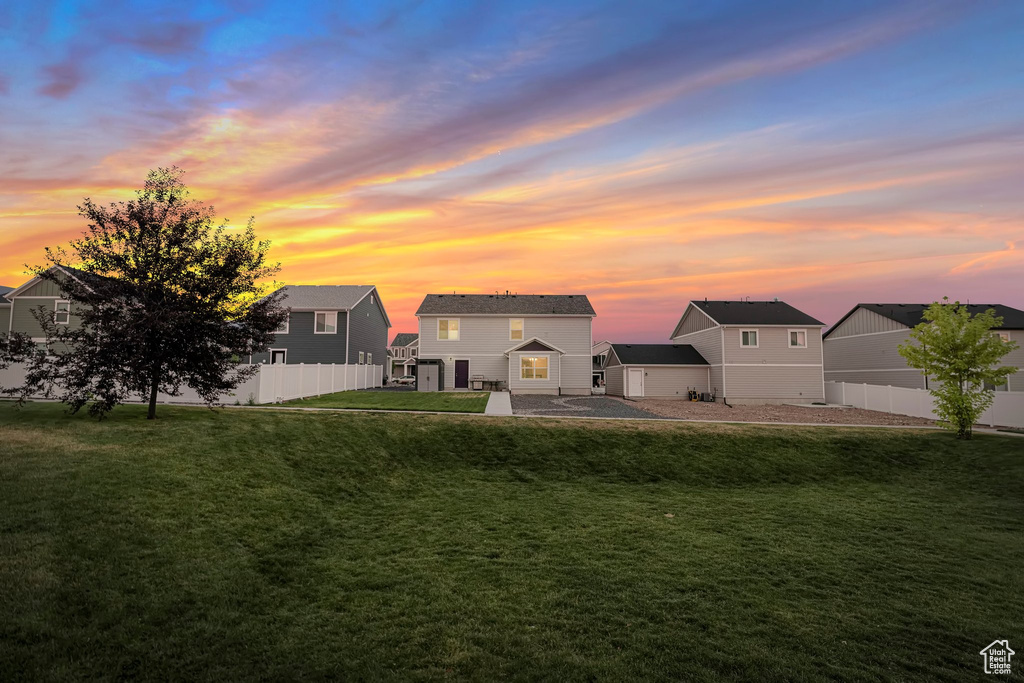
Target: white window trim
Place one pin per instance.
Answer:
(458, 320)
(56, 303)
(369, 358)
(757, 336)
(789, 339)
(285, 362)
(326, 313)
(362, 358)
(287, 323)
(522, 329)
(535, 379)
(1005, 336)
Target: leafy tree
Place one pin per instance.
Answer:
(162, 298)
(962, 354)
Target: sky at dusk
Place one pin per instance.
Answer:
(641, 153)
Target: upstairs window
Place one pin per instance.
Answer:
(326, 322)
(1005, 336)
(369, 358)
(448, 329)
(748, 339)
(515, 329)
(362, 358)
(284, 326)
(798, 339)
(62, 312)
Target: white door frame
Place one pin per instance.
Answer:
(629, 382)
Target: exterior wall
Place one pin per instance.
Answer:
(44, 288)
(1015, 382)
(614, 382)
(23, 320)
(775, 384)
(863, 321)
(709, 345)
(484, 339)
(306, 347)
(368, 330)
(535, 386)
(694, 321)
(668, 382)
(5, 319)
(773, 347)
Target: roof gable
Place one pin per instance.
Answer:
(510, 305)
(755, 313)
(405, 338)
(657, 354)
(534, 344)
(331, 297)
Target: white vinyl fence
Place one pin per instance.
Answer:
(272, 384)
(1007, 409)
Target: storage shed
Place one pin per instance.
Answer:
(656, 371)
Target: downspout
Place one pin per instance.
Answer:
(724, 400)
(348, 319)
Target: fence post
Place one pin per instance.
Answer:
(842, 388)
(318, 366)
(889, 387)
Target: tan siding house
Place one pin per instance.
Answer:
(757, 351)
(863, 347)
(529, 343)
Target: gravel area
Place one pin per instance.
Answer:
(577, 406)
(687, 410)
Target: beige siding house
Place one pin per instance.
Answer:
(402, 354)
(863, 347)
(538, 343)
(656, 371)
(757, 351)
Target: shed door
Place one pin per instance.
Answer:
(636, 382)
(427, 379)
(462, 374)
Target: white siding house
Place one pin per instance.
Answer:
(534, 343)
(757, 351)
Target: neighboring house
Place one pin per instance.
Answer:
(656, 370)
(758, 351)
(402, 354)
(5, 309)
(344, 324)
(599, 352)
(863, 347)
(536, 343)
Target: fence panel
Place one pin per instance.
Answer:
(1007, 409)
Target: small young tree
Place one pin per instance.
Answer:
(161, 298)
(960, 352)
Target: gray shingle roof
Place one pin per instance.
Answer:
(658, 354)
(755, 313)
(341, 297)
(501, 304)
(4, 290)
(405, 338)
(912, 314)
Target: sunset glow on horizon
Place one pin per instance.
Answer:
(644, 154)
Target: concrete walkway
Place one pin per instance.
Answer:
(499, 403)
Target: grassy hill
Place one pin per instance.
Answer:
(270, 544)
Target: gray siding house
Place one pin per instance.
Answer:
(656, 371)
(344, 324)
(402, 354)
(863, 346)
(18, 305)
(757, 351)
(5, 309)
(537, 343)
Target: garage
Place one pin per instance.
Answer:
(656, 371)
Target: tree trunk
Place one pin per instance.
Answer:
(153, 387)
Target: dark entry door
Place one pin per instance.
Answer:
(278, 356)
(462, 374)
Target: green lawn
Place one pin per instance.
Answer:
(442, 401)
(287, 545)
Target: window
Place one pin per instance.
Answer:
(1005, 336)
(61, 312)
(412, 352)
(448, 329)
(369, 359)
(798, 339)
(362, 358)
(326, 322)
(535, 367)
(371, 299)
(284, 326)
(515, 329)
(748, 339)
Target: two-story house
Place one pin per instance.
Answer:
(18, 306)
(536, 343)
(757, 351)
(863, 347)
(330, 324)
(5, 309)
(402, 354)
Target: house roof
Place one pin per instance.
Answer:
(755, 313)
(501, 304)
(658, 354)
(4, 290)
(340, 297)
(404, 338)
(913, 314)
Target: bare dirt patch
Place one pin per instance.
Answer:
(687, 410)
